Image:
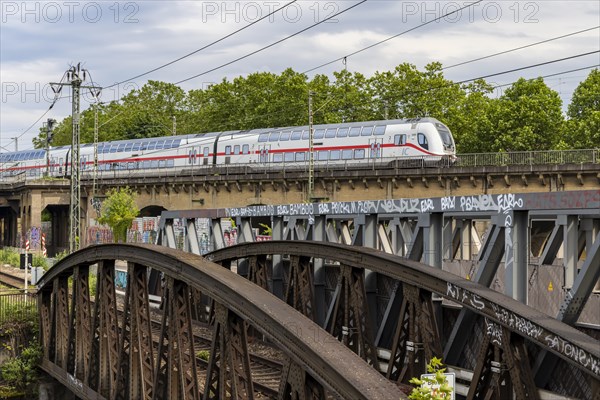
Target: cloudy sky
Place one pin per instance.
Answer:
(118, 40)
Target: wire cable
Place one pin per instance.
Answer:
(273, 44)
(519, 48)
(392, 37)
(202, 48)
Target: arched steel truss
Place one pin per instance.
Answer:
(102, 347)
(409, 320)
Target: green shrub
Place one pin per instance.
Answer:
(436, 388)
(39, 261)
(20, 372)
(10, 256)
(203, 355)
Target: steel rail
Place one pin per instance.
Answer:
(333, 365)
(568, 343)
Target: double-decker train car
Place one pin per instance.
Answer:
(351, 144)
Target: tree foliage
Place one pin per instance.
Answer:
(118, 212)
(527, 116)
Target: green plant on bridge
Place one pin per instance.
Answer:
(118, 212)
(435, 388)
(9, 256)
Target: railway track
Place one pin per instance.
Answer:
(266, 372)
(11, 280)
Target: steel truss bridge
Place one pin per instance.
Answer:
(364, 319)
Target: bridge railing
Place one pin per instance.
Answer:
(529, 158)
(17, 305)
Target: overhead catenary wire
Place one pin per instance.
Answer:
(273, 44)
(203, 47)
(392, 37)
(519, 48)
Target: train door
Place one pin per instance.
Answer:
(263, 152)
(375, 146)
(83, 162)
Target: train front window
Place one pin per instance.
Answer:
(445, 135)
(423, 141)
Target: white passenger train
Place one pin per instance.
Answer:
(344, 143)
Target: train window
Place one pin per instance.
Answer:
(379, 130)
(423, 141)
(330, 133)
(154, 164)
(121, 147)
(367, 131)
(359, 154)
(334, 155)
(168, 144)
(144, 146)
(355, 131)
(305, 135)
(300, 156)
(347, 154)
(176, 143)
(284, 136)
(399, 139)
(151, 145)
(205, 152)
(245, 149)
(129, 146)
(263, 137)
(170, 163)
(319, 133)
(278, 157)
(227, 150)
(130, 165)
(322, 155)
(296, 135)
(136, 146)
(146, 164)
(274, 137)
(289, 157)
(160, 145)
(236, 149)
(162, 163)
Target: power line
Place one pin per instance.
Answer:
(273, 44)
(392, 37)
(550, 75)
(529, 66)
(519, 48)
(202, 48)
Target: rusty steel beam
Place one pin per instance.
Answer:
(328, 363)
(540, 329)
(348, 319)
(296, 384)
(299, 289)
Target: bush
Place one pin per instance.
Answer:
(20, 373)
(9, 256)
(39, 261)
(436, 388)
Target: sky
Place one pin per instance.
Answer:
(118, 40)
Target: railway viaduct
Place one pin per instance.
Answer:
(22, 202)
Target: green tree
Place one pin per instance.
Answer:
(528, 117)
(118, 212)
(582, 129)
